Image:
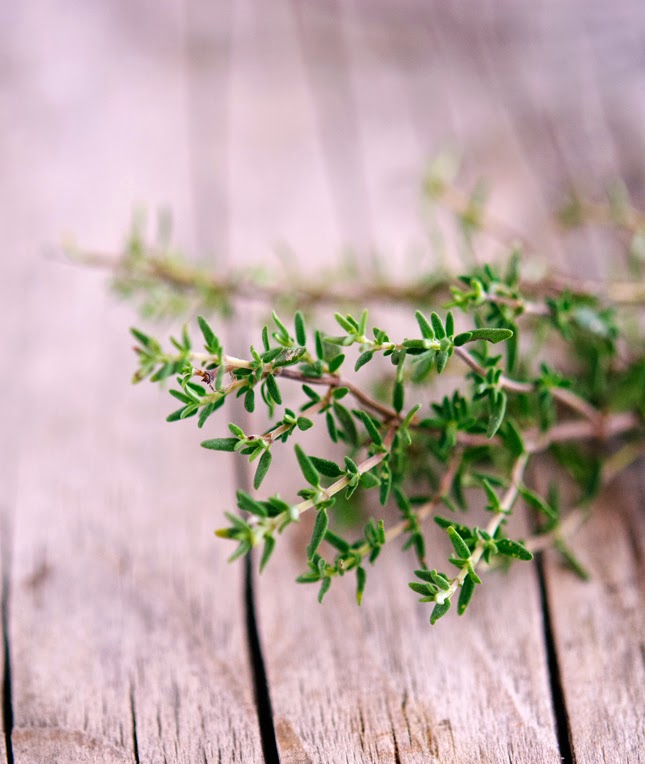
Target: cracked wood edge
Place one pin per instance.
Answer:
(126, 629)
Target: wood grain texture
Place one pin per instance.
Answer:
(599, 633)
(126, 624)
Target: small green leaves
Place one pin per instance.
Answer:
(364, 358)
(273, 389)
(466, 593)
(497, 412)
(440, 609)
(398, 396)
(326, 467)
(420, 459)
(537, 503)
(212, 343)
(308, 470)
(220, 444)
(263, 467)
(320, 528)
(361, 579)
(490, 335)
(513, 549)
(424, 325)
(269, 546)
(459, 545)
(301, 334)
(437, 326)
(248, 504)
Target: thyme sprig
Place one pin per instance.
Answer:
(481, 437)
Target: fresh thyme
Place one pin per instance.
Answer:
(483, 436)
(572, 388)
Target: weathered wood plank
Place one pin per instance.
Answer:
(590, 123)
(598, 631)
(126, 631)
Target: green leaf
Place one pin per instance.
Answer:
(450, 324)
(369, 480)
(459, 545)
(513, 439)
(165, 371)
(572, 561)
(537, 503)
(336, 363)
(440, 580)
(344, 323)
(301, 334)
(282, 329)
(465, 595)
(364, 358)
(310, 393)
(462, 339)
(422, 589)
(273, 390)
(265, 338)
(337, 542)
(304, 423)
(263, 467)
(320, 528)
(249, 504)
(209, 335)
(440, 609)
(513, 549)
(438, 327)
(320, 350)
(182, 396)
(370, 426)
(249, 400)
(488, 334)
(497, 412)
(308, 470)
(142, 338)
(442, 360)
(326, 467)
(269, 546)
(331, 427)
(175, 416)
(361, 579)
(398, 396)
(220, 444)
(207, 410)
(346, 422)
(426, 330)
(324, 588)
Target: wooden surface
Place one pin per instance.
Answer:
(304, 124)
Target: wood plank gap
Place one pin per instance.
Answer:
(258, 669)
(256, 657)
(133, 714)
(7, 697)
(562, 724)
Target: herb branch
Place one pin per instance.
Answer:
(573, 388)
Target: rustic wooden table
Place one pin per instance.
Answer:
(127, 637)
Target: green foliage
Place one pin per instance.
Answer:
(406, 446)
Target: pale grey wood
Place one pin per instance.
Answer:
(599, 632)
(592, 127)
(127, 627)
